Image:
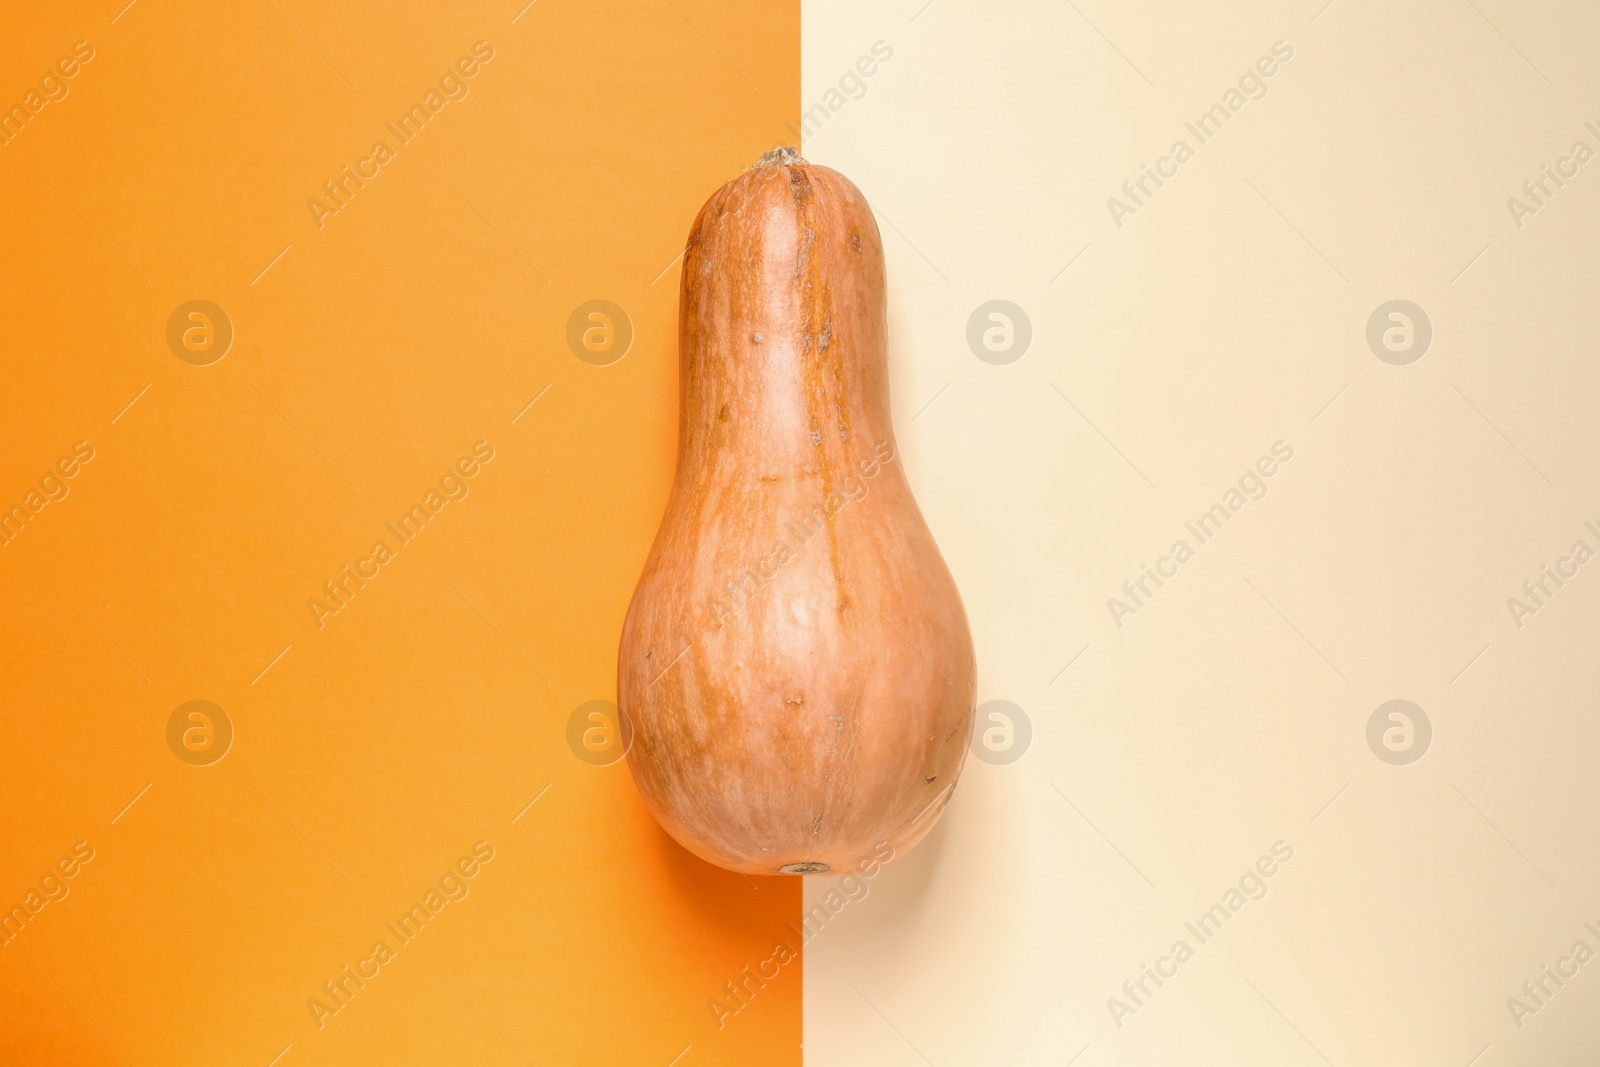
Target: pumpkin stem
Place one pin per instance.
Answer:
(786, 156)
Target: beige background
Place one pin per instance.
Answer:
(1225, 315)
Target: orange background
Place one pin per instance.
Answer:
(429, 712)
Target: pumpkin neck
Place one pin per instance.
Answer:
(782, 325)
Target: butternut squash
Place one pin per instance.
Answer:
(795, 673)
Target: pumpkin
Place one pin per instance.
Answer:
(796, 678)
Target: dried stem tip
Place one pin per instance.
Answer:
(786, 156)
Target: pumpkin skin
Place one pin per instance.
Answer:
(796, 676)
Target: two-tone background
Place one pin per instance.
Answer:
(1306, 290)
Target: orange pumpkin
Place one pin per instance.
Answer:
(796, 671)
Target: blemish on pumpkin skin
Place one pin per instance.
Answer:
(799, 187)
(722, 413)
(929, 780)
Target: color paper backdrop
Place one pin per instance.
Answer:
(1236, 305)
(388, 215)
